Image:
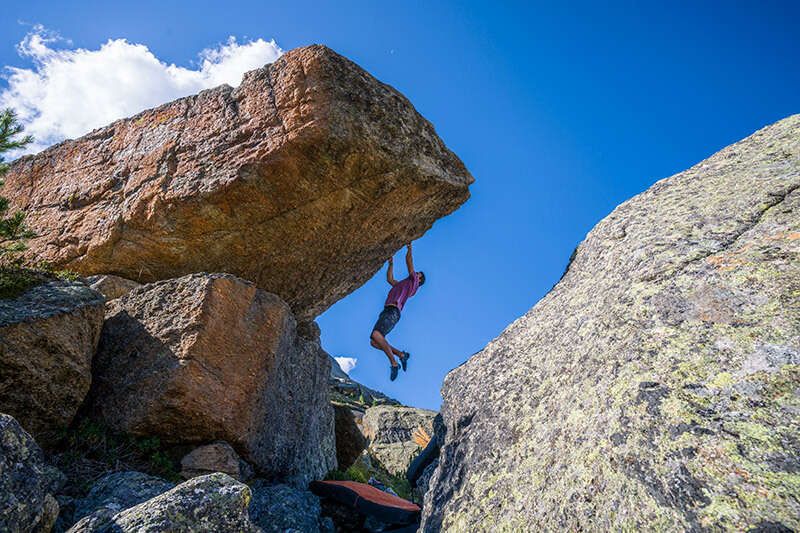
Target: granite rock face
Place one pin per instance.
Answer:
(284, 181)
(211, 357)
(656, 386)
(26, 482)
(389, 430)
(216, 502)
(48, 336)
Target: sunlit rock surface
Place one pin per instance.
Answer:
(303, 179)
(657, 386)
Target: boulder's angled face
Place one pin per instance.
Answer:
(215, 502)
(304, 179)
(656, 386)
(211, 357)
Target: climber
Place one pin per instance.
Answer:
(400, 292)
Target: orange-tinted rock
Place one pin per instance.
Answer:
(211, 357)
(304, 179)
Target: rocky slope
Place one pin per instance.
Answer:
(283, 181)
(389, 431)
(656, 386)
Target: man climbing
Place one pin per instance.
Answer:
(400, 292)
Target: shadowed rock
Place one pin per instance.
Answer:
(112, 494)
(26, 482)
(211, 357)
(655, 387)
(350, 441)
(304, 179)
(278, 508)
(48, 336)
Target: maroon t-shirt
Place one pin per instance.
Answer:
(403, 290)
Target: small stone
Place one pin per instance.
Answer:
(215, 457)
(112, 286)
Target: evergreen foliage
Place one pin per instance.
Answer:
(13, 231)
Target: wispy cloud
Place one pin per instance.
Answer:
(346, 363)
(71, 91)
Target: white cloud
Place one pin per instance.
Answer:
(347, 363)
(71, 91)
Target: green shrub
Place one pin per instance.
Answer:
(16, 279)
(361, 471)
(13, 231)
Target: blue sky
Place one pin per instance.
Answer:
(560, 113)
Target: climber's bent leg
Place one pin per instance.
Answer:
(377, 340)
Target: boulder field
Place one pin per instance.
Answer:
(303, 180)
(212, 229)
(656, 386)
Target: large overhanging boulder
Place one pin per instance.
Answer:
(304, 179)
(656, 386)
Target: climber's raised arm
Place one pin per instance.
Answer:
(390, 273)
(409, 260)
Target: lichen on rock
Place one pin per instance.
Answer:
(656, 386)
(215, 502)
(27, 482)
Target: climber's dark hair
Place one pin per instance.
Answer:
(421, 278)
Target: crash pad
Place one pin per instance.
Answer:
(368, 500)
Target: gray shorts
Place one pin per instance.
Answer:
(387, 320)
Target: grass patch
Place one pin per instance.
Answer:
(15, 280)
(361, 471)
(90, 450)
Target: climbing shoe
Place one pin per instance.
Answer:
(393, 375)
(404, 359)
